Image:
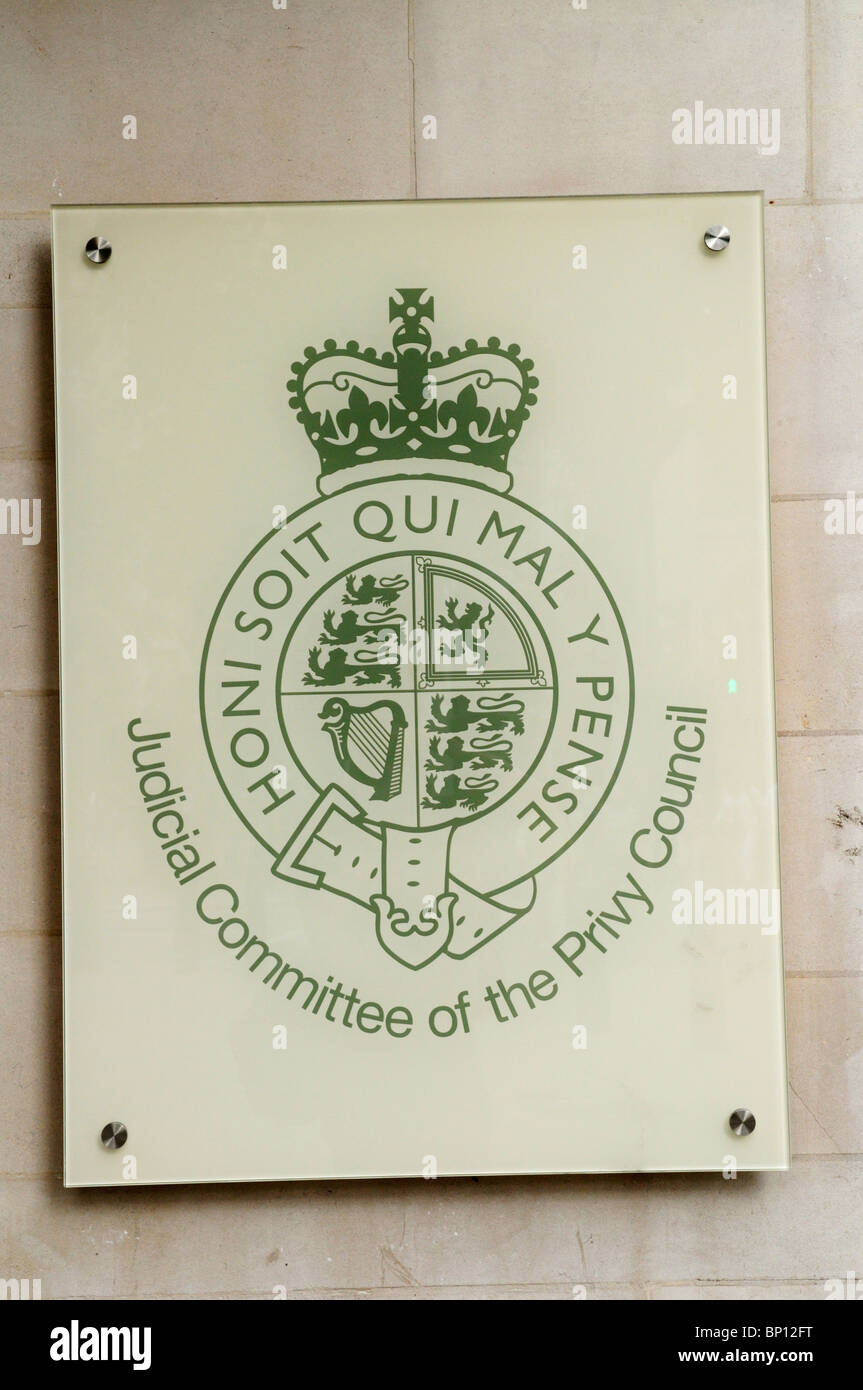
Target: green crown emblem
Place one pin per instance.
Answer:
(396, 410)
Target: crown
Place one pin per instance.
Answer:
(396, 411)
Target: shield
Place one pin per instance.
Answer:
(468, 682)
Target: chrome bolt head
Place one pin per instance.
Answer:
(114, 1135)
(716, 238)
(98, 250)
(741, 1122)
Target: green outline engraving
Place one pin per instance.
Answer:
(401, 871)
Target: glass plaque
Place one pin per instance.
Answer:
(419, 776)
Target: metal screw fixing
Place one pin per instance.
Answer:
(114, 1135)
(716, 238)
(741, 1122)
(98, 250)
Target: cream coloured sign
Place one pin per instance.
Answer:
(415, 632)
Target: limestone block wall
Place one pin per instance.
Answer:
(325, 99)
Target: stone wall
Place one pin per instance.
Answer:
(240, 100)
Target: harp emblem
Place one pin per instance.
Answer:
(368, 741)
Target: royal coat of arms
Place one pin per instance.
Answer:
(417, 691)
